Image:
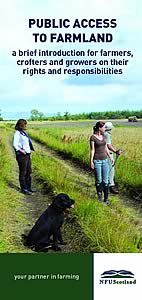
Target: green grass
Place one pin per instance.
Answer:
(128, 168)
(107, 229)
(13, 217)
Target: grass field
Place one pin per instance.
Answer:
(75, 143)
(107, 229)
(13, 211)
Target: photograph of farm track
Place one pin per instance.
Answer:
(61, 164)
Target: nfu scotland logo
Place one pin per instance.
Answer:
(117, 277)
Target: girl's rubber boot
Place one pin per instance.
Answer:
(106, 190)
(99, 191)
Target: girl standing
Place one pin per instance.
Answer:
(99, 155)
(23, 147)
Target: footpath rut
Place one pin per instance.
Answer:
(86, 181)
(35, 204)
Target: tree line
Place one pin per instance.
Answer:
(118, 114)
(36, 115)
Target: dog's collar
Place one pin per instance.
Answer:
(58, 207)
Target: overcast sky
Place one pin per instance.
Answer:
(60, 93)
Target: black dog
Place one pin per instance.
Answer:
(49, 224)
